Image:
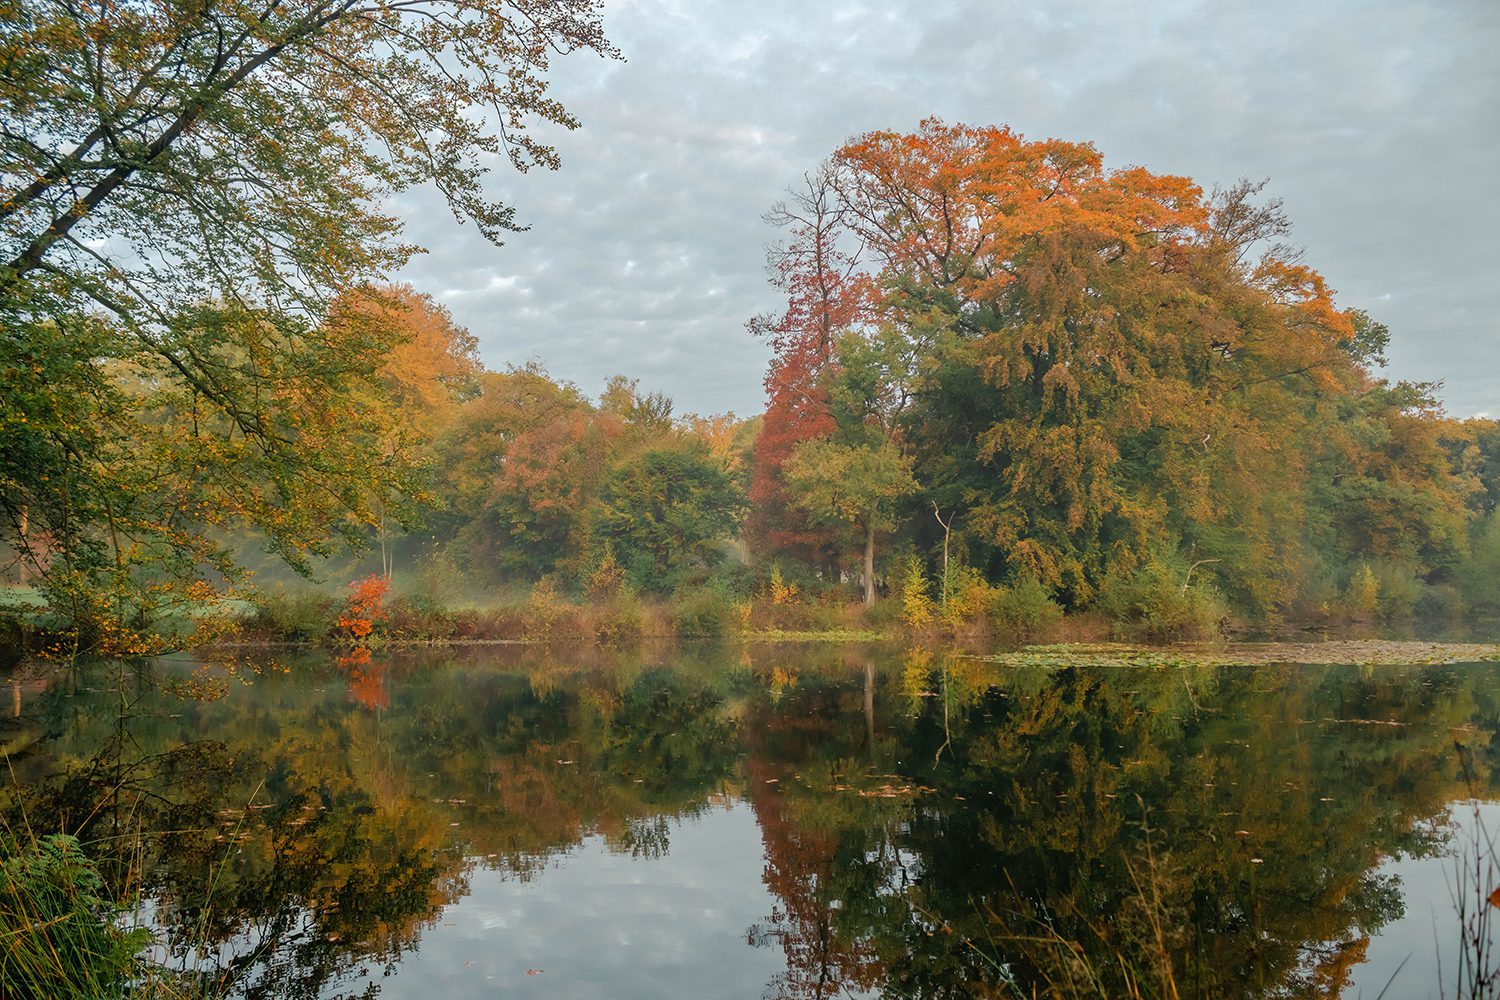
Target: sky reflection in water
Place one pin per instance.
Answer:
(782, 821)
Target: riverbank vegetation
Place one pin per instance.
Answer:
(545, 513)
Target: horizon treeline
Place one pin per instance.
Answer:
(1001, 368)
(1108, 384)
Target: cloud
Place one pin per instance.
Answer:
(645, 251)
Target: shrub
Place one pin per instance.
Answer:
(545, 610)
(436, 584)
(1024, 610)
(620, 619)
(606, 579)
(1478, 576)
(1400, 588)
(364, 608)
(61, 933)
(416, 618)
(1320, 595)
(882, 616)
(918, 610)
(1442, 602)
(780, 590)
(703, 612)
(969, 597)
(1154, 602)
(301, 616)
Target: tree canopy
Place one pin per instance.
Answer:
(1098, 369)
(184, 194)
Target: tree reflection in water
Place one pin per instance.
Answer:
(932, 826)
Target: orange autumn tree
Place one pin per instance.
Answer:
(364, 608)
(432, 364)
(1110, 368)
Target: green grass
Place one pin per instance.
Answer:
(59, 935)
(14, 597)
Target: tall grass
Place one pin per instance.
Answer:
(60, 936)
(1476, 898)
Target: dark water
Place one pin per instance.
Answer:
(783, 822)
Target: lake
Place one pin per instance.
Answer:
(776, 820)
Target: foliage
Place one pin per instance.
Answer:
(850, 484)
(704, 612)
(117, 483)
(606, 578)
(1479, 576)
(967, 598)
(1024, 610)
(619, 618)
(668, 510)
(364, 607)
(1116, 391)
(780, 590)
(245, 144)
(1085, 366)
(301, 615)
(918, 609)
(535, 480)
(190, 211)
(1160, 603)
(545, 610)
(1401, 589)
(1362, 597)
(826, 294)
(62, 933)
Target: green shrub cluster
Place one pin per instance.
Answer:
(1024, 610)
(704, 612)
(294, 616)
(1163, 601)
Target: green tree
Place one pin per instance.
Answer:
(667, 510)
(852, 484)
(182, 193)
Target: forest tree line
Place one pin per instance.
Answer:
(1003, 372)
(1007, 381)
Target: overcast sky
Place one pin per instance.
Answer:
(1378, 124)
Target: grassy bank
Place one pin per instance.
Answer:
(371, 612)
(966, 611)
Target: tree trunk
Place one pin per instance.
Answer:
(870, 707)
(25, 554)
(870, 564)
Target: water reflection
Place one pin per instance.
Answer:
(927, 826)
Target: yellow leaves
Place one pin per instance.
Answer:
(781, 591)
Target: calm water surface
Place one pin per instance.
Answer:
(782, 822)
